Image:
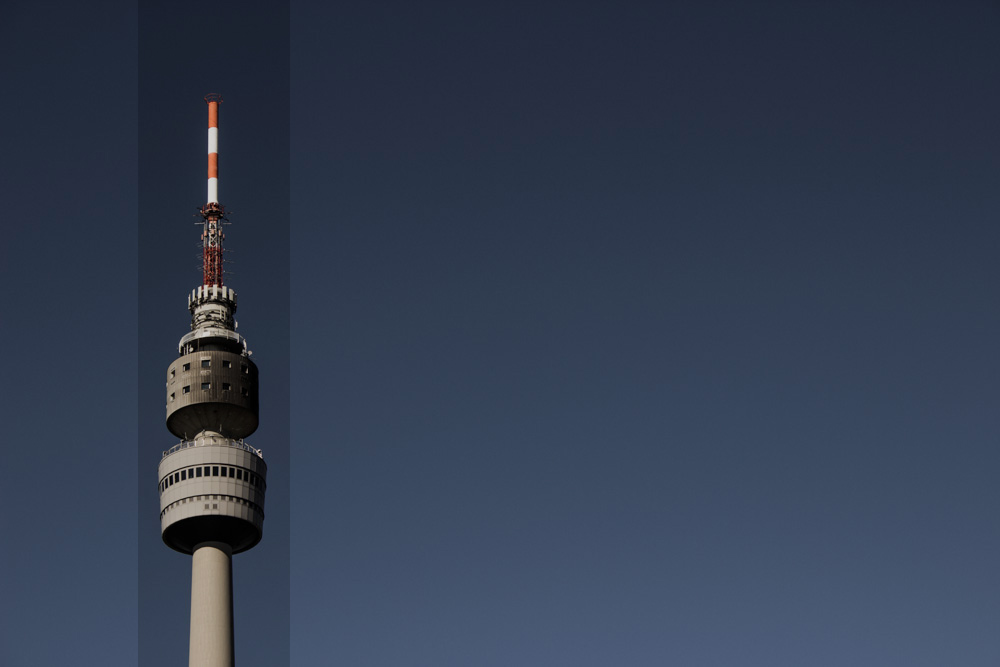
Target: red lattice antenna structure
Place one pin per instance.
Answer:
(213, 213)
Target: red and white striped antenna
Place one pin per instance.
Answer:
(213, 213)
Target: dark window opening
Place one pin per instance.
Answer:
(226, 386)
(206, 363)
(232, 472)
(239, 474)
(186, 390)
(215, 471)
(205, 386)
(186, 367)
(197, 472)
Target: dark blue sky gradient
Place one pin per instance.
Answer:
(68, 328)
(657, 334)
(637, 334)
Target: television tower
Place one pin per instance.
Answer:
(212, 483)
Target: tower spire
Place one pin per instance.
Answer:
(213, 213)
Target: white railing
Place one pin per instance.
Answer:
(212, 332)
(209, 442)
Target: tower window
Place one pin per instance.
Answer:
(171, 396)
(206, 363)
(226, 386)
(239, 474)
(245, 391)
(205, 386)
(184, 475)
(197, 472)
(232, 472)
(172, 372)
(186, 367)
(215, 471)
(226, 363)
(186, 390)
(244, 369)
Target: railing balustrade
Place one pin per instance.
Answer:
(208, 442)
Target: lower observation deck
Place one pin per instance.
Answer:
(212, 490)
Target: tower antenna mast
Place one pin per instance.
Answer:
(213, 213)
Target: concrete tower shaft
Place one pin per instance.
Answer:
(212, 642)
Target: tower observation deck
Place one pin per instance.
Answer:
(212, 483)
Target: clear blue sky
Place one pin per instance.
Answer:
(589, 333)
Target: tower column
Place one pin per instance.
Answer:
(211, 606)
(212, 484)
